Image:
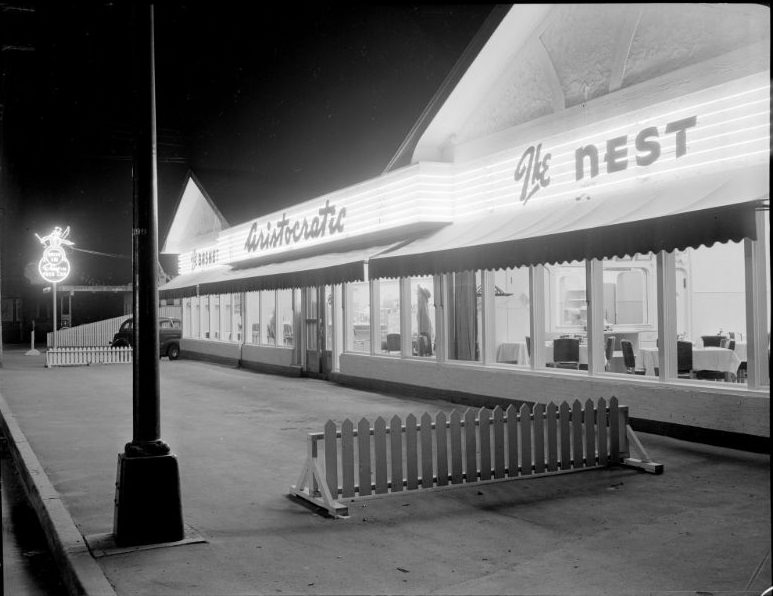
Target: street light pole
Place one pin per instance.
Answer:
(148, 506)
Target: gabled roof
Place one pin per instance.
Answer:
(196, 218)
(540, 60)
(404, 154)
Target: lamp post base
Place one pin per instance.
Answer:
(148, 507)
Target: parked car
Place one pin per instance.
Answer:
(169, 334)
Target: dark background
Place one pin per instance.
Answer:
(302, 99)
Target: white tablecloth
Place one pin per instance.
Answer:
(516, 351)
(513, 352)
(740, 350)
(717, 359)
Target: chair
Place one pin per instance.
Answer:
(425, 345)
(566, 352)
(629, 358)
(716, 375)
(528, 346)
(683, 359)
(609, 350)
(393, 342)
(712, 341)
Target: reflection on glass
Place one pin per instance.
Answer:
(237, 317)
(205, 319)
(268, 317)
(717, 310)
(422, 317)
(285, 332)
(358, 313)
(513, 315)
(389, 316)
(226, 319)
(195, 317)
(187, 329)
(252, 312)
(464, 314)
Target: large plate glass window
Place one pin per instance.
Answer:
(268, 317)
(252, 313)
(389, 315)
(285, 328)
(512, 316)
(713, 318)
(464, 316)
(630, 313)
(422, 316)
(205, 317)
(358, 317)
(566, 317)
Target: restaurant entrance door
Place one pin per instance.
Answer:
(318, 331)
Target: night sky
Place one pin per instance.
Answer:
(304, 98)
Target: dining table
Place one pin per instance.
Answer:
(516, 352)
(715, 359)
(513, 353)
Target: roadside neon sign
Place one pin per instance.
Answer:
(54, 266)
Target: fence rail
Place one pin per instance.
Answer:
(84, 356)
(478, 446)
(99, 333)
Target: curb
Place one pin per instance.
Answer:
(80, 573)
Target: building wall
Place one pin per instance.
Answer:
(723, 408)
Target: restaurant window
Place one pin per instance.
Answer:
(205, 318)
(195, 316)
(715, 311)
(268, 317)
(252, 315)
(630, 315)
(389, 315)
(236, 300)
(566, 317)
(512, 315)
(214, 313)
(464, 316)
(422, 317)
(187, 330)
(285, 318)
(225, 317)
(358, 317)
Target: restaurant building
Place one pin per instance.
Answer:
(581, 211)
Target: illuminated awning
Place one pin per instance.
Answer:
(316, 270)
(654, 217)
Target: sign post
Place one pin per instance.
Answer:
(54, 266)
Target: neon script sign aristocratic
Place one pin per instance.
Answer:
(285, 231)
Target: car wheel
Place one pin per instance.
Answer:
(173, 352)
(121, 343)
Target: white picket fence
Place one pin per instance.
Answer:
(99, 333)
(480, 446)
(84, 356)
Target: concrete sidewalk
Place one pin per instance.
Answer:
(703, 526)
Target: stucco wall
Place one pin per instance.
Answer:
(266, 355)
(216, 351)
(723, 408)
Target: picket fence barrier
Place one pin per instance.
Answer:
(477, 447)
(83, 356)
(99, 333)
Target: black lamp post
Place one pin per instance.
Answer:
(148, 506)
